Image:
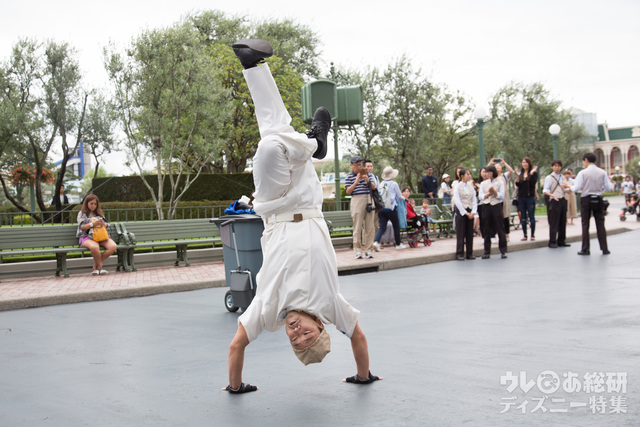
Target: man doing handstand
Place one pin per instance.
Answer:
(298, 282)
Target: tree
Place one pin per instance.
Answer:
(171, 104)
(296, 44)
(409, 101)
(101, 122)
(518, 126)
(449, 134)
(363, 138)
(43, 100)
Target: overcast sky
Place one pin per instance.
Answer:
(584, 51)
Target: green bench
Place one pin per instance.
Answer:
(443, 217)
(177, 233)
(59, 240)
(514, 220)
(339, 221)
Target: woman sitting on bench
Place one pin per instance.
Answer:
(90, 218)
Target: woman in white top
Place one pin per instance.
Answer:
(446, 189)
(466, 206)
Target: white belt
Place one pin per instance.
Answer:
(292, 217)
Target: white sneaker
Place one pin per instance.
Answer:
(368, 255)
(103, 271)
(401, 246)
(376, 246)
(95, 272)
(359, 255)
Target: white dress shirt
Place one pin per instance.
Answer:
(592, 181)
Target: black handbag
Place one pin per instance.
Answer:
(376, 199)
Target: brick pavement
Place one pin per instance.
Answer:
(25, 292)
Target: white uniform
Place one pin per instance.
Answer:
(299, 269)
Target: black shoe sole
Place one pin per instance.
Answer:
(251, 51)
(262, 47)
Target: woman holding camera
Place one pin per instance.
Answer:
(526, 183)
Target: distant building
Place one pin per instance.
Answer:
(612, 146)
(616, 147)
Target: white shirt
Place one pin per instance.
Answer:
(627, 187)
(550, 183)
(468, 191)
(498, 184)
(592, 181)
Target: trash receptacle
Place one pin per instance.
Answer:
(242, 255)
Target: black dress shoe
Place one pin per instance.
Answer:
(471, 257)
(503, 256)
(606, 252)
(460, 258)
(486, 256)
(320, 130)
(251, 51)
(553, 245)
(564, 245)
(585, 252)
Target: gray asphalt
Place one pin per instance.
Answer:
(441, 335)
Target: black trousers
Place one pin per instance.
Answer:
(557, 216)
(464, 235)
(494, 222)
(598, 214)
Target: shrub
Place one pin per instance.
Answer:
(206, 187)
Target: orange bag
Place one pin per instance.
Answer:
(99, 234)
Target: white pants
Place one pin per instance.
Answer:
(299, 269)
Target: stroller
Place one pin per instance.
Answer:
(418, 233)
(631, 208)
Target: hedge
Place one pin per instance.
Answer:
(205, 187)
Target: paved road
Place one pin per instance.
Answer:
(441, 335)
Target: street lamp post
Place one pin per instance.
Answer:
(554, 130)
(480, 114)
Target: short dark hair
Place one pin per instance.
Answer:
(589, 157)
(367, 161)
(492, 169)
(556, 162)
(429, 167)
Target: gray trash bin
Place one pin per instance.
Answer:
(242, 254)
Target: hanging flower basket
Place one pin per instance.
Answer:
(27, 175)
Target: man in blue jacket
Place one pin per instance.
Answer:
(430, 184)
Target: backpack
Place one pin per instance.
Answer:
(386, 195)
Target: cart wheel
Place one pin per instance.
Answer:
(427, 242)
(228, 302)
(623, 218)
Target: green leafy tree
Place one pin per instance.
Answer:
(632, 167)
(296, 52)
(449, 135)
(296, 44)
(364, 138)
(43, 100)
(171, 104)
(409, 101)
(101, 122)
(518, 126)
